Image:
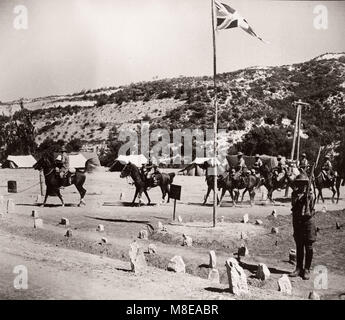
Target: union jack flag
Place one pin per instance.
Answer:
(228, 18)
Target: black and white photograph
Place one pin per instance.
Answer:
(172, 150)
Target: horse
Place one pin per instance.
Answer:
(271, 182)
(248, 183)
(54, 182)
(334, 185)
(210, 187)
(164, 180)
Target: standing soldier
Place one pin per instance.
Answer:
(304, 164)
(304, 230)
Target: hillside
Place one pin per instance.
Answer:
(253, 96)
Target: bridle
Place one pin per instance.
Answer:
(49, 173)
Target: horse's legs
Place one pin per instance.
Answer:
(139, 197)
(237, 194)
(334, 192)
(135, 196)
(45, 199)
(222, 196)
(168, 191)
(243, 193)
(60, 197)
(252, 196)
(148, 198)
(207, 194)
(82, 193)
(321, 195)
(270, 195)
(163, 194)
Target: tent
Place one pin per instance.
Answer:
(122, 160)
(76, 161)
(15, 162)
(270, 161)
(92, 161)
(197, 167)
(91, 156)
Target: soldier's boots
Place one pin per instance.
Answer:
(296, 273)
(306, 274)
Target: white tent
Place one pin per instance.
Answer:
(76, 161)
(122, 160)
(138, 160)
(15, 162)
(197, 167)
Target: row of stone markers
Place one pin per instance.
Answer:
(236, 276)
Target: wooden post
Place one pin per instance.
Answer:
(174, 213)
(299, 134)
(215, 195)
(295, 135)
(41, 183)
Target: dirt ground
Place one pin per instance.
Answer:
(81, 267)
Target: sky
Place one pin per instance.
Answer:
(71, 45)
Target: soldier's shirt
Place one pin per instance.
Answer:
(299, 201)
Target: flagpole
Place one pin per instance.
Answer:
(215, 193)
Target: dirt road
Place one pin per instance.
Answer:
(80, 267)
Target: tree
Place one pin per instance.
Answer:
(74, 145)
(17, 134)
(265, 140)
(110, 153)
(340, 158)
(49, 146)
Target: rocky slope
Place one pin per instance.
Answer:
(252, 96)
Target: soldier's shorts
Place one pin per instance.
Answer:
(304, 229)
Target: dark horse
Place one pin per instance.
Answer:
(232, 185)
(272, 183)
(248, 183)
(334, 185)
(164, 180)
(54, 182)
(210, 186)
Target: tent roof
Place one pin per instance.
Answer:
(201, 161)
(75, 160)
(91, 156)
(138, 160)
(22, 161)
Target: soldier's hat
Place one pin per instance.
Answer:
(63, 149)
(304, 154)
(279, 157)
(257, 156)
(240, 154)
(327, 156)
(302, 178)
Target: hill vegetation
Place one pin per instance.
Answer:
(253, 103)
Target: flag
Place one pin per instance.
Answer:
(228, 18)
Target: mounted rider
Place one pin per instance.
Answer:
(64, 171)
(147, 174)
(241, 166)
(327, 169)
(257, 165)
(281, 169)
(304, 163)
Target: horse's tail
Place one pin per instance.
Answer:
(172, 176)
